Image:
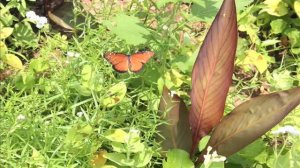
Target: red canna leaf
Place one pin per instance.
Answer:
(252, 119)
(212, 73)
(176, 133)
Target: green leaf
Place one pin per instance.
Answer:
(297, 7)
(5, 32)
(23, 33)
(278, 26)
(178, 158)
(203, 142)
(280, 80)
(13, 61)
(82, 90)
(25, 80)
(119, 159)
(276, 7)
(114, 95)
(87, 129)
(39, 65)
(294, 36)
(143, 158)
(86, 73)
(283, 160)
(128, 28)
(260, 61)
(206, 10)
(117, 135)
(3, 49)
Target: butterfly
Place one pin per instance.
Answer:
(133, 63)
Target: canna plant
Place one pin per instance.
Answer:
(211, 79)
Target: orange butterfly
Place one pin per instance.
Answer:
(124, 63)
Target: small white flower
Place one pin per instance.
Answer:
(73, 54)
(43, 20)
(141, 1)
(47, 122)
(40, 21)
(172, 93)
(21, 117)
(134, 131)
(287, 129)
(79, 114)
(165, 27)
(32, 16)
(214, 157)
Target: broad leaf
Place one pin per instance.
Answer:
(252, 119)
(128, 28)
(178, 158)
(176, 132)
(212, 73)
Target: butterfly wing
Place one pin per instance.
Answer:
(120, 62)
(137, 60)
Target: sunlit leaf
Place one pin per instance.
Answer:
(297, 7)
(143, 158)
(117, 135)
(86, 73)
(252, 119)
(3, 49)
(87, 129)
(212, 73)
(178, 158)
(5, 32)
(115, 94)
(13, 61)
(260, 61)
(276, 7)
(98, 159)
(176, 133)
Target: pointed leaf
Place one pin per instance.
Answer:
(252, 119)
(59, 21)
(212, 73)
(177, 133)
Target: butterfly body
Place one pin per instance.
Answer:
(123, 63)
